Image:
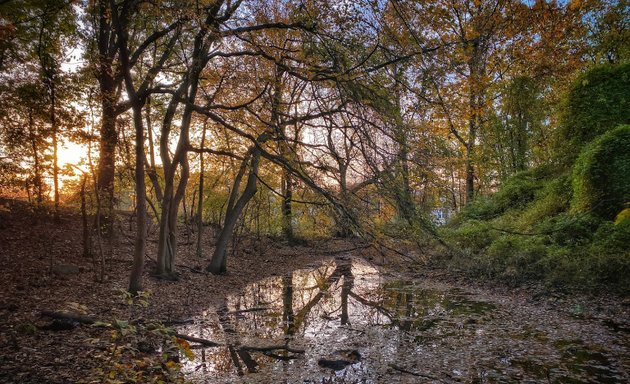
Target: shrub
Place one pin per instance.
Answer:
(566, 267)
(601, 176)
(472, 236)
(516, 258)
(598, 101)
(517, 191)
(610, 256)
(551, 200)
(572, 229)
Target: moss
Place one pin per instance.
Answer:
(623, 215)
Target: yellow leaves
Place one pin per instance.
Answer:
(575, 4)
(622, 216)
(184, 346)
(77, 308)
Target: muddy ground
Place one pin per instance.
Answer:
(42, 269)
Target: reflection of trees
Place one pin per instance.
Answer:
(404, 309)
(293, 305)
(378, 305)
(324, 285)
(287, 304)
(265, 324)
(244, 320)
(346, 288)
(237, 353)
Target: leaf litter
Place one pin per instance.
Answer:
(282, 310)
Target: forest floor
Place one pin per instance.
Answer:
(42, 269)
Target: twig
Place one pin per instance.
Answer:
(204, 342)
(280, 357)
(273, 348)
(255, 309)
(403, 370)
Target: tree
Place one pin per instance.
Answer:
(24, 131)
(38, 34)
(122, 14)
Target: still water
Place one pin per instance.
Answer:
(346, 322)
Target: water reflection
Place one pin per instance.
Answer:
(345, 323)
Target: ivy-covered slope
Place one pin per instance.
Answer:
(566, 223)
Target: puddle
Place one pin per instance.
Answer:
(344, 322)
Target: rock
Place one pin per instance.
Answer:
(340, 359)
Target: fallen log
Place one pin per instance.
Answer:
(69, 316)
(271, 348)
(255, 309)
(192, 339)
(264, 349)
(88, 320)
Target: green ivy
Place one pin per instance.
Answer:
(598, 101)
(601, 175)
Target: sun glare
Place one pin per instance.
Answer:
(71, 153)
(75, 155)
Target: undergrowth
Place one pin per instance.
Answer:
(528, 232)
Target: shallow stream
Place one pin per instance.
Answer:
(346, 322)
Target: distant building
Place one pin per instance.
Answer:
(440, 215)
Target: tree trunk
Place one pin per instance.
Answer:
(219, 258)
(39, 188)
(53, 123)
(200, 203)
(107, 89)
(135, 280)
(87, 244)
(165, 252)
(287, 198)
(404, 197)
(476, 67)
(107, 153)
(470, 175)
(151, 171)
(344, 227)
(167, 246)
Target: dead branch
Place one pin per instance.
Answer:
(403, 370)
(69, 316)
(204, 342)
